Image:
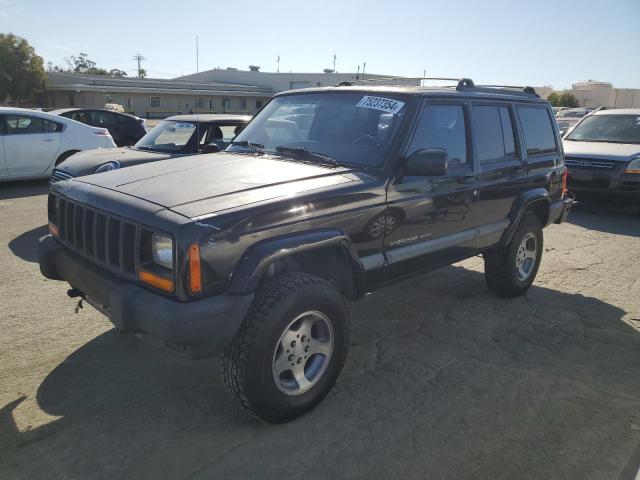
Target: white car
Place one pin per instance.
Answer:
(33, 142)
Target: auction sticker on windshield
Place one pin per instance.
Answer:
(380, 103)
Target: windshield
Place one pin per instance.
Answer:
(170, 136)
(608, 128)
(352, 129)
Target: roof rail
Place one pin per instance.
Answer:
(513, 89)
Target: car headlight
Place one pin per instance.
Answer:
(162, 250)
(105, 167)
(634, 166)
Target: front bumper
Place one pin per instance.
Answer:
(558, 211)
(195, 329)
(612, 183)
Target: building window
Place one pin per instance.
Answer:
(154, 101)
(226, 103)
(243, 103)
(258, 103)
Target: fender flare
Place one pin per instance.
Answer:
(257, 258)
(518, 208)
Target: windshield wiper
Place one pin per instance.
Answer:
(305, 153)
(256, 147)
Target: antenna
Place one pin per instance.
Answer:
(197, 99)
(139, 58)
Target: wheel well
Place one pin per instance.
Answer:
(398, 212)
(63, 156)
(330, 263)
(540, 208)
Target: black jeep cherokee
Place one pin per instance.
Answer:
(326, 194)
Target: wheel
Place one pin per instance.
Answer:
(290, 349)
(510, 271)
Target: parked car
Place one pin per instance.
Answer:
(254, 253)
(603, 156)
(176, 136)
(114, 107)
(125, 129)
(556, 110)
(565, 124)
(33, 142)
(573, 113)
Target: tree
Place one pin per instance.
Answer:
(565, 99)
(142, 73)
(82, 64)
(115, 72)
(21, 70)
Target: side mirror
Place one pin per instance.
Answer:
(430, 162)
(210, 148)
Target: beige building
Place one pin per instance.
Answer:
(595, 94)
(153, 98)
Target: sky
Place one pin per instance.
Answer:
(528, 42)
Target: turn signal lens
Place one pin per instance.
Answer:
(154, 280)
(53, 230)
(195, 274)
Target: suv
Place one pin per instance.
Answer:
(327, 194)
(603, 156)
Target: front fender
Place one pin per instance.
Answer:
(257, 258)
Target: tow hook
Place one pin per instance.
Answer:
(75, 293)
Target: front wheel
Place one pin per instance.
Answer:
(290, 349)
(510, 271)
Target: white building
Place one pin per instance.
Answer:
(595, 94)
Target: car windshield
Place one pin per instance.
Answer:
(171, 136)
(352, 129)
(607, 128)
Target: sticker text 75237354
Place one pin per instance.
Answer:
(380, 103)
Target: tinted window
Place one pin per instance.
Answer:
(103, 119)
(18, 124)
(507, 133)
(537, 130)
(487, 129)
(82, 117)
(442, 126)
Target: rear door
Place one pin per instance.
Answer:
(501, 173)
(31, 144)
(433, 214)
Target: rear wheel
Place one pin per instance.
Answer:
(510, 271)
(290, 349)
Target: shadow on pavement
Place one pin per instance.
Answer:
(621, 220)
(444, 380)
(25, 245)
(21, 189)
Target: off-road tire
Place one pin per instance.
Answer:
(247, 362)
(500, 262)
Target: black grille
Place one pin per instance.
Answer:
(107, 240)
(59, 175)
(589, 163)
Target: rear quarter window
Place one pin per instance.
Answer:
(537, 130)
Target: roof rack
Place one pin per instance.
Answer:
(462, 84)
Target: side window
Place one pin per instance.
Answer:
(19, 124)
(508, 133)
(537, 130)
(487, 131)
(103, 119)
(51, 127)
(442, 126)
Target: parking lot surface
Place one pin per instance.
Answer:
(444, 379)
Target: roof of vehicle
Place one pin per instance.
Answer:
(617, 111)
(211, 117)
(60, 111)
(27, 111)
(470, 90)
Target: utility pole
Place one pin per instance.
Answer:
(364, 67)
(139, 58)
(334, 62)
(278, 70)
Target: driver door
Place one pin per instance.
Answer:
(432, 215)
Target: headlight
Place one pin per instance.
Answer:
(162, 250)
(105, 167)
(634, 166)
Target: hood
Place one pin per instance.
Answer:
(198, 185)
(83, 163)
(620, 152)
